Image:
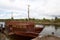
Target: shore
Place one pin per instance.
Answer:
(48, 37)
(48, 23)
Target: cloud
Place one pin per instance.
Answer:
(4, 15)
(38, 8)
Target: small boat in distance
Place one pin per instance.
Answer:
(21, 28)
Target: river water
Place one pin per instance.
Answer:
(48, 29)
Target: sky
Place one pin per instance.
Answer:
(38, 9)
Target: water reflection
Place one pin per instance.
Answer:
(57, 30)
(57, 27)
(51, 28)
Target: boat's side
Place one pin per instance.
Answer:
(38, 30)
(23, 28)
(25, 32)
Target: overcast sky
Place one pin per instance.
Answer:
(38, 8)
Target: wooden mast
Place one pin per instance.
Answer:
(28, 12)
(28, 9)
(11, 15)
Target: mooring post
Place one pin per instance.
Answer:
(52, 33)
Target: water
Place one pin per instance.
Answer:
(48, 29)
(51, 28)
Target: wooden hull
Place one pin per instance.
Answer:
(15, 31)
(27, 29)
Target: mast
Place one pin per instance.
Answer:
(28, 9)
(28, 12)
(11, 15)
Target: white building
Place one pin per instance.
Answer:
(2, 24)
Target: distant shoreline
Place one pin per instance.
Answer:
(49, 23)
(37, 21)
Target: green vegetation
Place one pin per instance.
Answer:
(38, 21)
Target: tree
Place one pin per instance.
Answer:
(56, 18)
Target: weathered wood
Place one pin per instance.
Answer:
(23, 28)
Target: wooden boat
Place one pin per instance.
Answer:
(21, 28)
